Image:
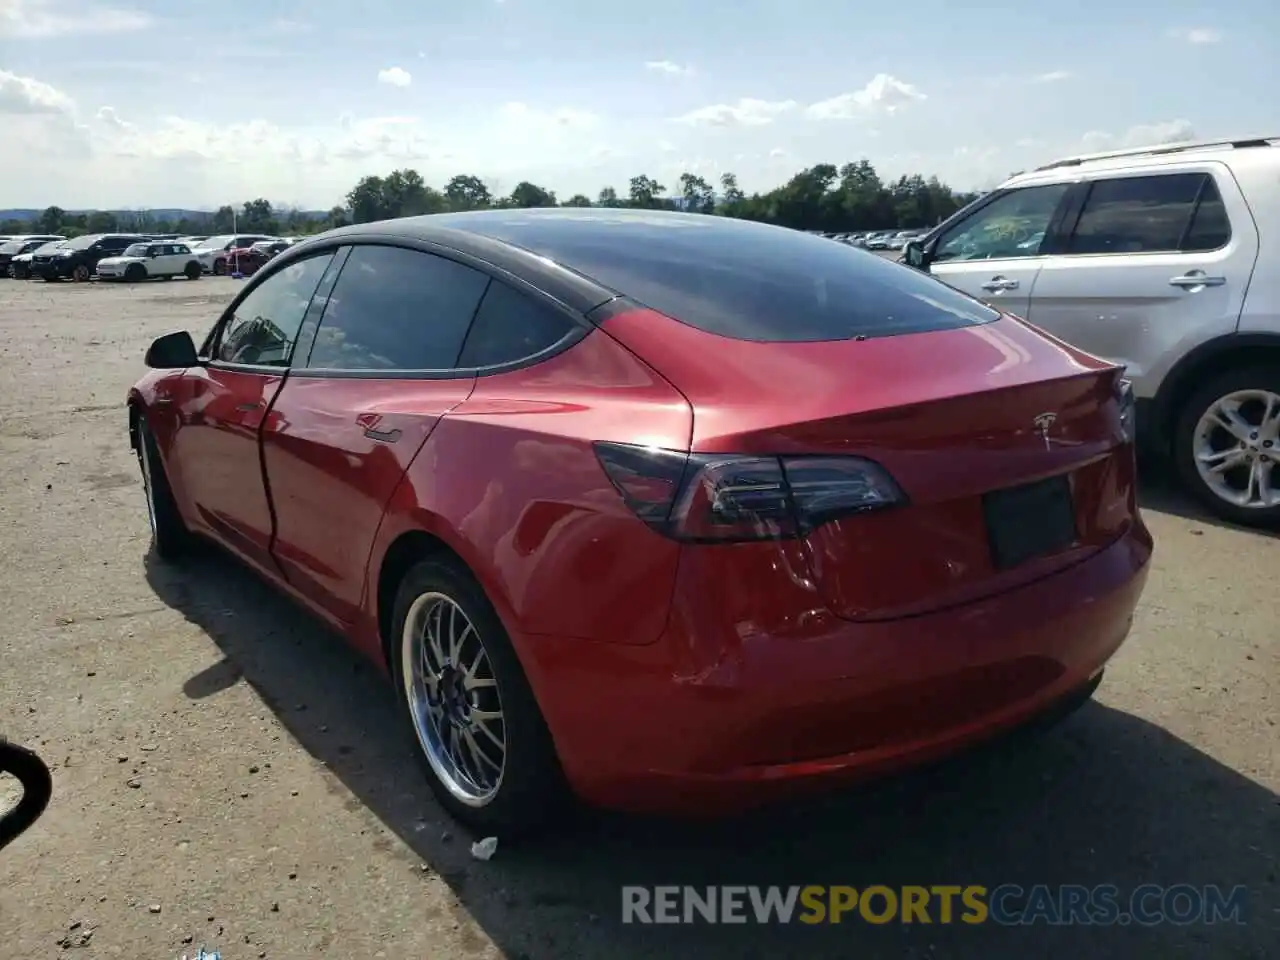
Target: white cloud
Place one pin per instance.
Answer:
(39, 19)
(108, 117)
(1054, 76)
(745, 113)
(883, 92)
(1197, 35)
(1143, 135)
(669, 68)
(26, 95)
(395, 77)
(777, 153)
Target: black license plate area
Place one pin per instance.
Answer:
(1030, 521)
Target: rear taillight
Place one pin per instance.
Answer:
(726, 497)
(1128, 408)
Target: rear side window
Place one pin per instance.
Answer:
(1210, 228)
(510, 326)
(1138, 214)
(740, 279)
(397, 309)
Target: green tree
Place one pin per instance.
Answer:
(466, 192)
(577, 200)
(224, 219)
(645, 193)
(366, 201)
(101, 221)
(51, 220)
(609, 198)
(528, 194)
(697, 194)
(404, 194)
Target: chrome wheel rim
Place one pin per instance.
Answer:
(454, 700)
(1236, 446)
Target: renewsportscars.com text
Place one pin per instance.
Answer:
(1006, 905)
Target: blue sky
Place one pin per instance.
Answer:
(147, 103)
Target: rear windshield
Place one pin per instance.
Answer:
(744, 280)
(12, 246)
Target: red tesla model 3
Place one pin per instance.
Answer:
(678, 512)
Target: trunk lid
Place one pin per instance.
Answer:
(1006, 442)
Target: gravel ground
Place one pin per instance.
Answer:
(228, 774)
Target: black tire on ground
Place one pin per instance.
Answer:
(1263, 377)
(81, 273)
(28, 769)
(135, 273)
(532, 792)
(220, 268)
(193, 271)
(170, 538)
(19, 271)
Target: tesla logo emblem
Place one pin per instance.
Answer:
(1043, 424)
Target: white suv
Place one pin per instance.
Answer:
(1165, 259)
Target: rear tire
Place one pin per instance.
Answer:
(482, 712)
(170, 538)
(219, 268)
(192, 271)
(1245, 489)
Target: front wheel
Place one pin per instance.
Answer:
(192, 271)
(480, 735)
(135, 273)
(1227, 445)
(219, 268)
(169, 535)
(81, 273)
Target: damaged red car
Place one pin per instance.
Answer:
(675, 513)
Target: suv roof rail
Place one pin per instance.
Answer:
(1161, 149)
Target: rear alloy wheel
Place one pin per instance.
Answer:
(192, 271)
(1227, 445)
(487, 752)
(80, 274)
(135, 273)
(169, 535)
(219, 268)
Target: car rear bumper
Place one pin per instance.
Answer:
(688, 727)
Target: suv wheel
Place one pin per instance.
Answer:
(220, 268)
(80, 274)
(193, 271)
(1227, 445)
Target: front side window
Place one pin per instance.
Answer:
(397, 309)
(1010, 227)
(265, 324)
(1147, 214)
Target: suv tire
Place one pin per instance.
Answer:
(1253, 447)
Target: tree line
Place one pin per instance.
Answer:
(823, 197)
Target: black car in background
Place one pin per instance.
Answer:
(16, 246)
(77, 259)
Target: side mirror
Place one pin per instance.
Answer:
(172, 351)
(915, 255)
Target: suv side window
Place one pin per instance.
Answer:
(1145, 214)
(264, 326)
(397, 309)
(511, 326)
(1210, 227)
(1009, 227)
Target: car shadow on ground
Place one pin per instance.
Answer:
(1160, 492)
(1102, 798)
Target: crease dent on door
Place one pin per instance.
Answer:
(334, 452)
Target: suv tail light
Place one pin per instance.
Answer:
(726, 498)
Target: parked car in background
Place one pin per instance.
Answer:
(18, 246)
(877, 241)
(586, 554)
(78, 258)
(149, 261)
(192, 242)
(1161, 259)
(20, 264)
(214, 252)
(251, 259)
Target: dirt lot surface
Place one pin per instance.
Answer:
(228, 774)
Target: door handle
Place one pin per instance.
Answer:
(1197, 279)
(248, 407)
(996, 284)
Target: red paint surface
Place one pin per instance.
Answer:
(677, 676)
